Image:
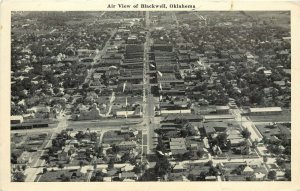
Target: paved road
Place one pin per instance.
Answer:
(148, 99)
(97, 59)
(36, 168)
(248, 124)
(255, 134)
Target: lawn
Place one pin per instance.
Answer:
(54, 176)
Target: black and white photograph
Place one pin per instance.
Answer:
(150, 96)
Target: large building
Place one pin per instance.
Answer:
(178, 146)
(265, 111)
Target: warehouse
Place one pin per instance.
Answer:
(265, 111)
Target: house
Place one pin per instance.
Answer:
(127, 168)
(205, 142)
(258, 176)
(127, 145)
(63, 155)
(210, 178)
(24, 158)
(254, 164)
(248, 171)
(107, 179)
(178, 168)
(209, 130)
(193, 129)
(127, 175)
(268, 72)
(16, 119)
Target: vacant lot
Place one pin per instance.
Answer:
(55, 176)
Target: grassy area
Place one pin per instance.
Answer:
(55, 176)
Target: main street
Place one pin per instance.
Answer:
(148, 99)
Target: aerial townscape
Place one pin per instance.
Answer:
(136, 96)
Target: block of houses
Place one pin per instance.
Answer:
(127, 145)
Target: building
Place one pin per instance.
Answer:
(222, 109)
(24, 158)
(265, 111)
(167, 112)
(178, 146)
(16, 119)
(178, 168)
(127, 145)
(92, 114)
(127, 176)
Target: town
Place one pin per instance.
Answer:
(150, 96)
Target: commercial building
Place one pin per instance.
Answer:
(178, 146)
(264, 110)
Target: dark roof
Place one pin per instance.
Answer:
(209, 129)
(284, 130)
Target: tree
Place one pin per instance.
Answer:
(98, 177)
(287, 174)
(272, 175)
(81, 163)
(115, 148)
(213, 171)
(246, 133)
(61, 166)
(202, 176)
(162, 166)
(191, 177)
(220, 140)
(19, 177)
(265, 159)
(125, 157)
(45, 170)
(138, 168)
(200, 153)
(111, 163)
(184, 133)
(64, 178)
(280, 162)
(24, 167)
